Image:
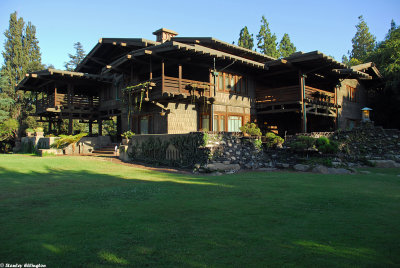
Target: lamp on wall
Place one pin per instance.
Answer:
(365, 114)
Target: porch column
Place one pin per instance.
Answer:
(100, 127)
(180, 77)
(90, 127)
(119, 126)
(302, 78)
(50, 125)
(70, 103)
(162, 75)
(337, 87)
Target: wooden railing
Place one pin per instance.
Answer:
(187, 87)
(61, 101)
(293, 94)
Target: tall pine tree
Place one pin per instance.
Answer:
(286, 47)
(21, 54)
(76, 58)
(363, 43)
(266, 40)
(245, 39)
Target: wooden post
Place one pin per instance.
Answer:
(90, 127)
(55, 96)
(151, 70)
(50, 125)
(162, 75)
(70, 102)
(337, 110)
(303, 103)
(180, 77)
(100, 127)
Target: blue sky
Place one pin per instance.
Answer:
(327, 26)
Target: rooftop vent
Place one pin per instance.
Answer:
(164, 35)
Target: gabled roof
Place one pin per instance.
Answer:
(109, 49)
(189, 49)
(316, 61)
(38, 80)
(216, 44)
(369, 68)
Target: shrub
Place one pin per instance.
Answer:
(322, 141)
(251, 129)
(273, 140)
(29, 130)
(326, 146)
(127, 134)
(66, 140)
(329, 148)
(308, 141)
(257, 143)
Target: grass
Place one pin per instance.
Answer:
(81, 212)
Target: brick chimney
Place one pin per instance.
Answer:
(164, 35)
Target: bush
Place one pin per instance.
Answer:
(251, 129)
(29, 130)
(257, 143)
(308, 141)
(127, 134)
(66, 140)
(330, 148)
(322, 141)
(273, 140)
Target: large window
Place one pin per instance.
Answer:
(232, 83)
(351, 93)
(234, 123)
(219, 123)
(144, 125)
(205, 122)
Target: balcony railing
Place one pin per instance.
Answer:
(293, 94)
(60, 102)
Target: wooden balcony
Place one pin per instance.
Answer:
(292, 94)
(172, 86)
(60, 102)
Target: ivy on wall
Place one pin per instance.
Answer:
(191, 149)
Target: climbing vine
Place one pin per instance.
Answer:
(191, 148)
(135, 93)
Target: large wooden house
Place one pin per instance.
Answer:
(184, 84)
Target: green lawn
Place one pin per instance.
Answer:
(81, 212)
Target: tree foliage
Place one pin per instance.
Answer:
(245, 39)
(76, 58)
(363, 43)
(386, 101)
(267, 43)
(286, 47)
(21, 54)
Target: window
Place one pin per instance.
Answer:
(219, 123)
(222, 123)
(220, 81)
(227, 86)
(239, 84)
(351, 93)
(144, 125)
(205, 122)
(215, 123)
(234, 123)
(232, 84)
